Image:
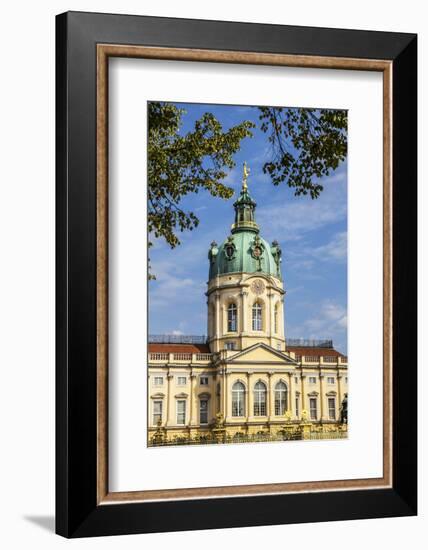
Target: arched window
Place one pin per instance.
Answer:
(238, 399)
(231, 318)
(280, 399)
(275, 319)
(257, 316)
(259, 399)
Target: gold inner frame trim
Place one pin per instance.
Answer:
(104, 52)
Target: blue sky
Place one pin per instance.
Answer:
(312, 235)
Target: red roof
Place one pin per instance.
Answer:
(315, 352)
(179, 348)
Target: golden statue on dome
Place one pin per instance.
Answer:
(245, 177)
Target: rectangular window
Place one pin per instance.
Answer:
(257, 317)
(158, 380)
(181, 411)
(332, 408)
(203, 380)
(260, 400)
(280, 403)
(181, 380)
(296, 379)
(330, 380)
(238, 401)
(346, 379)
(231, 318)
(203, 411)
(297, 407)
(312, 380)
(313, 408)
(157, 412)
(229, 345)
(260, 408)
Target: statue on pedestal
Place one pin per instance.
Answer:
(344, 410)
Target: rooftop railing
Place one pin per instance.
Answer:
(309, 343)
(202, 339)
(180, 357)
(177, 339)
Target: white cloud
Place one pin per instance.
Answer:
(169, 289)
(234, 178)
(336, 249)
(329, 321)
(292, 220)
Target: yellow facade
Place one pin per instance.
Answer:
(239, 289)
(179, 379)
(246, 379)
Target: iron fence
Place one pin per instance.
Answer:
(285, 435)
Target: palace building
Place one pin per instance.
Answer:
(245, 378)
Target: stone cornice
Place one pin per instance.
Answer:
(238, 285)
(231, 370)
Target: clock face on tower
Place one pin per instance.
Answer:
(257, 287)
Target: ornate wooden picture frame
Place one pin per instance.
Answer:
(84, 505)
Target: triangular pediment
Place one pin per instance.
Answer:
(261, 353)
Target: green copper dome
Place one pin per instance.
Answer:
(245, 250)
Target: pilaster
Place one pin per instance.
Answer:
(193, 420)
(303, 394)
(270, 402)
(250, 413)
(322, 398)
(270, 328)
(170, 414)
(290, 395)
(217, 315)
(244, 306)
(339, 389)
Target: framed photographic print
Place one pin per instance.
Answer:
(236, 274)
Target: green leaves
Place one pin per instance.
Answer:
(179, 165)
(307, 144)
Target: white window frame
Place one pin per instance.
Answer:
(203, 380)
(157, 414)
(331, 409)
(203, 400)
(180, 380)
(257, 317)
(276, 318)
(312, 409)
(238, 399)
(156, 380)
(232, 317)
(312, 379)
(330, 380)
(260, 399)
(183, 413)
(280, 398)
